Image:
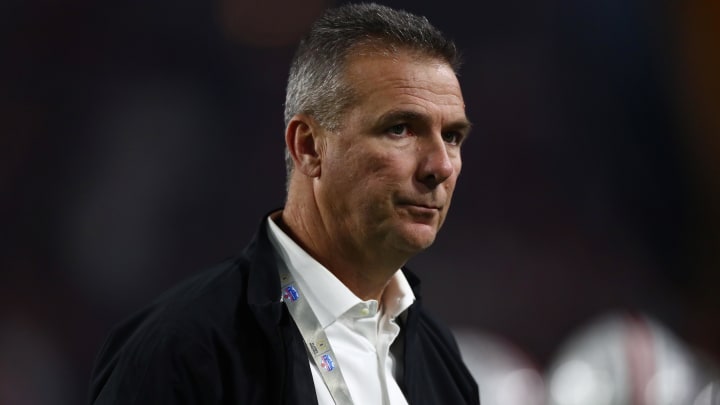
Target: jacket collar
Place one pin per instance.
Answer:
(263, 278)
(263, 294)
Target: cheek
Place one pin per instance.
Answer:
(375, 166)
(366, 174)
(382, 166)
(450, 183)
(456, 162)
(389, 174)
(449, 186)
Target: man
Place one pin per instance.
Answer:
(317, 309)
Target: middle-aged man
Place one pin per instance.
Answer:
(317, 308)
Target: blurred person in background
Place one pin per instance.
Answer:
(318, 308)
(631, 359)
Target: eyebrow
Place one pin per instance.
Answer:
(461, 125)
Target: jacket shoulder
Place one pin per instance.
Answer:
(170, 348)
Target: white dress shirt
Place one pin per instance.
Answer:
(360, 332)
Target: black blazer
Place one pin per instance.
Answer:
(223, 337)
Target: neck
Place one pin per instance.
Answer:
(364, 273)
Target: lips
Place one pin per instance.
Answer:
(420, 207)
(419, 204)
(425, 206)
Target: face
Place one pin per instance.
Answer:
(388, 174)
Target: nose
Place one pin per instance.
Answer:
(435, 165)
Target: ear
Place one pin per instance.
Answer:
(303, 140)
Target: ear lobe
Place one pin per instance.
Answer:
(304, 144)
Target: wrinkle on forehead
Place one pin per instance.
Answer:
(404, 82)
(425, 91)
(400, 57)
(435, 81)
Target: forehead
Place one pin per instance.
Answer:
(382, 81)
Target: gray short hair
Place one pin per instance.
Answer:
(316, 85)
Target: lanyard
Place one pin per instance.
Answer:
(316, 341)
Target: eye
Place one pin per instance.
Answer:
(398, 130)
(453, 138)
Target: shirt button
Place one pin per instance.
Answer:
(364, 311)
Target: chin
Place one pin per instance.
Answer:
(420, 238)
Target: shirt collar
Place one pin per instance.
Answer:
(398, 295)
(329, 297)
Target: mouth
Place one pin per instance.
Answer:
(419, 208)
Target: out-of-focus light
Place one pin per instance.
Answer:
(576, 382)
(519, 387)
(628, 359)
(669, 386)
(504, 373)
(710, 395)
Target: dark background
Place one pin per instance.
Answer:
(143, 140)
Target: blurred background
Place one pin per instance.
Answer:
(143, 141)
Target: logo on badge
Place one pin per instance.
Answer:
(327, 362)
(319, 346)
(290, 294)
